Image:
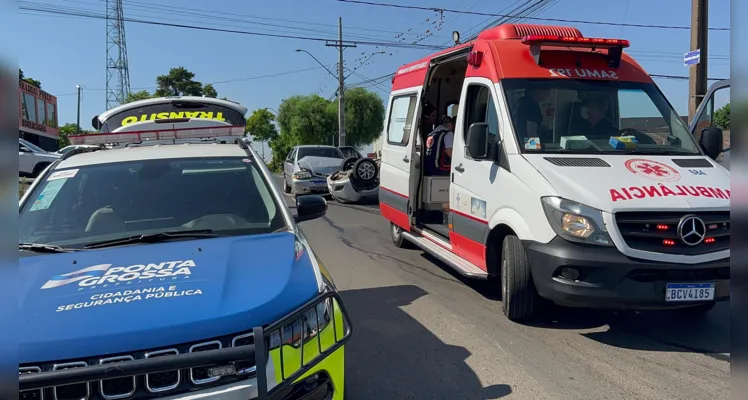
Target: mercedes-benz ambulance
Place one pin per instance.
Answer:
(572, 178)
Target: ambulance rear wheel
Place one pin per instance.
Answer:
(397, 237)
(519, 298)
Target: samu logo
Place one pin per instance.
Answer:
(106, 274)
(697, 172)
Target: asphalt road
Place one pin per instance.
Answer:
(423, 332)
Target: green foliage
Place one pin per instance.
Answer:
(260, 125)
(135, 96)
(69, 129)
(28, 80)
(364, 116)
(722, 117)
(209, 91)
(180, 82)
(314, 120)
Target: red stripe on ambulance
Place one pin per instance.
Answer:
(661, 190)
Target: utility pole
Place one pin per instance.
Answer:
(78, 120)
(697, 74)
(341, 81)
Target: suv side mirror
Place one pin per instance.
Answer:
(477, 141)
(712, 142)
(25, 150)
(310, 207)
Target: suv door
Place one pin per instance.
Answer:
(397, 152)
(26, 160)
(710, 114)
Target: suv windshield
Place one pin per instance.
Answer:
(329, 152)
(32, 147)
(76, 207)
(578, 116)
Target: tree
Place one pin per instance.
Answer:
(209, 91)
(28, 80)
(178, 82)
(260, 126)
(306, 120)
(364, 116)
(69, 129)
(722, 117)
(135, 96)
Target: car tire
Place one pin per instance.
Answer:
(39, 168)
(519, 298)
(348, 163)
(365, 170)
(286, 188)
(396, 233)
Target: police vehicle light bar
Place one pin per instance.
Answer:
(614, 47)
(158, 134)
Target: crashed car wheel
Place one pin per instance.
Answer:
(348, 163)
(365, 170)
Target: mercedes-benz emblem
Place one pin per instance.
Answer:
(691, 230)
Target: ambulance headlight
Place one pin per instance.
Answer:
(576, 222)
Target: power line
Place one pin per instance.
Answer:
(87, 14)
(408, 7)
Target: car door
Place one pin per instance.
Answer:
(397, 154)
(475, 183)
(26, 160)
(711, 114)
(288, 165)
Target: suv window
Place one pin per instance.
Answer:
(75, 207)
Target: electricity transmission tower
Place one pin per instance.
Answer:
(117, 71)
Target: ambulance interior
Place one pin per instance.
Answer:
(443, 91)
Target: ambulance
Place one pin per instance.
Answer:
(572, 179)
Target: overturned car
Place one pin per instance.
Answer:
(357, 180)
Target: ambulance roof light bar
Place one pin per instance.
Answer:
(614, 47)
(118, 138)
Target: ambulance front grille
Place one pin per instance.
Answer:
(146, 386)
(658, 231)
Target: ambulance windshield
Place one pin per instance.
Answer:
(604, 117)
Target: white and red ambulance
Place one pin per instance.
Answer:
(572, 178)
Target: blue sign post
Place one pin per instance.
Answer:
(692, 58)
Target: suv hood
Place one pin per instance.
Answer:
(139, 297)
(320, 165)
(53, 156)
(641, 182)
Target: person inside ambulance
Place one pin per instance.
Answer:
(430, 117)
(595, 123)
(438, 158)
(529, 116)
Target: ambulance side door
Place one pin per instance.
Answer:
(397, 156)
(476, 184)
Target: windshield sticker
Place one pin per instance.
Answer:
(217, 116)
(129, 296)
(652, 170)
(47, 196)
(661, 190)
(533, 143)
(105, 275)
(65, 174)
(583, 73)
(697, 172)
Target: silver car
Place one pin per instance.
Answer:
(307, 167)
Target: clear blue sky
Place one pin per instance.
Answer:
(65, 51)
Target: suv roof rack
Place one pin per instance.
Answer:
(164, 136)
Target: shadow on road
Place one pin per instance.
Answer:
(647, 330)
(393, 356)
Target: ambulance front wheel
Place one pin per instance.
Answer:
(519, 298)
(397, 237)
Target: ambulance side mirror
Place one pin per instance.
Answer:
(711, 142)
(477, 141)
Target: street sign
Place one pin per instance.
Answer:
(692, 58)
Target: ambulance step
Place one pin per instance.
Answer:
(464, 267)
